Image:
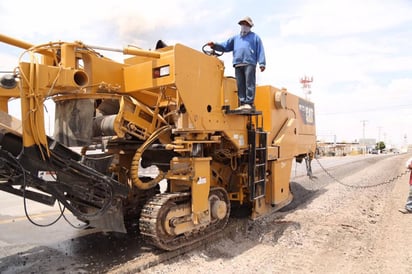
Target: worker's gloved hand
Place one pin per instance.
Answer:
(211, 44)
(262, 68)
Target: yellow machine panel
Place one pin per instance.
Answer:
(170, 109)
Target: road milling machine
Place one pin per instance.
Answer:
(170, 110)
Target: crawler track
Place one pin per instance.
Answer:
(156, 209)
(151, 256)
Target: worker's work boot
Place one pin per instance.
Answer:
(244, 107)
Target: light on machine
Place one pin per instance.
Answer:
(161, 71)
(8, 81)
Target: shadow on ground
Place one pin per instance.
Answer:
(93, 253)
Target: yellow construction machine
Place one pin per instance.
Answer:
(169, 110)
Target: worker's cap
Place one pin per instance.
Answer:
(247, 20)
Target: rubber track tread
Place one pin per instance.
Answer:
(151, 216)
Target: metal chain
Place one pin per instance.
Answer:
(363, 187)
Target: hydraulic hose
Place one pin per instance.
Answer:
(136, 161)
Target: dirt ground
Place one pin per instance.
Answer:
(329, 228)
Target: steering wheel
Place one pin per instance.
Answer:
(208, 50)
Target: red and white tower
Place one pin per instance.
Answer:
(306, 85)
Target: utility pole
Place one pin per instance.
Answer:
(364, 126)
(405, 144)
(363, 135)
(379, 134)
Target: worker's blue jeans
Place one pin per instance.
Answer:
(246, 83)
(408, 205)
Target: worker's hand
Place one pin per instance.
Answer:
(262, 68)
(211, 44)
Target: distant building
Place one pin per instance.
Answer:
(345, 148)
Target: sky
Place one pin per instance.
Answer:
(359, 53)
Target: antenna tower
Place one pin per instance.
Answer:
(306, 85)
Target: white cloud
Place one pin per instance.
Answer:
(359, 55)
(337, 18)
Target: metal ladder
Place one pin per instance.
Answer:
(257, 151)
(257, 140)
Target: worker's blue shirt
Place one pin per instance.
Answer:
(246, 49)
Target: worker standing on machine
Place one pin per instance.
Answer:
(247, 50)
